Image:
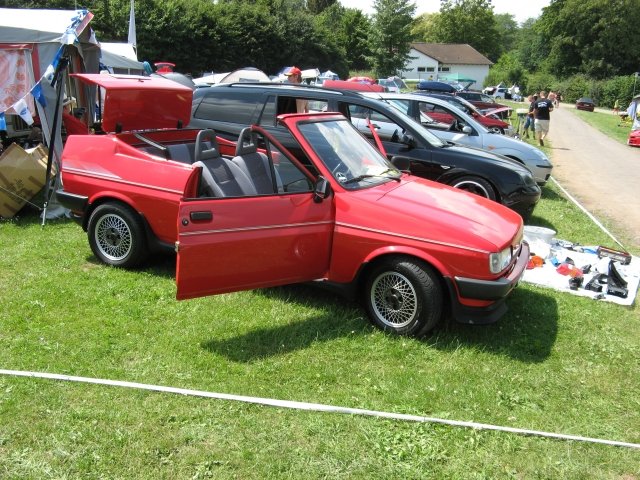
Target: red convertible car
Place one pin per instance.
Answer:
(252, 214)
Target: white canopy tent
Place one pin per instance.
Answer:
(120, 58)
(248, 74)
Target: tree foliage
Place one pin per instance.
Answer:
(391, 35)
(471, 22)
(424, 28)
(596, 37)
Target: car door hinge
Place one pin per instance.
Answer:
(177, 247)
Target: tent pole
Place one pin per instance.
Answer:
(57, 77)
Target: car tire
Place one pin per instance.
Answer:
(403, 296)
(496, 130)
(476, 185)
(116, 235)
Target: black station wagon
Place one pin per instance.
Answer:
(228, 108)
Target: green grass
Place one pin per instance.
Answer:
(555, 362)
(607, 123)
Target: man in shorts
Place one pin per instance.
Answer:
(541, 113)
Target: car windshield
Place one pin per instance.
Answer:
(426, 134)
(352, 160)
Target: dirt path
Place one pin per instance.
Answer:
(602, 174)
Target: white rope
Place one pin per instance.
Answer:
(594, 219)
(315, 407)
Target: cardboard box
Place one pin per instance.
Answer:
(22, 174)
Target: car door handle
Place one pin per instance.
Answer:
(201, 216)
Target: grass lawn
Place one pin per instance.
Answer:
(607, 123)
(555, 362)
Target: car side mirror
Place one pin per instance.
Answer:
(467, 129)
(401, 163)
(321, 190)
(408, 140)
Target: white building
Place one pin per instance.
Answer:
(447, 61)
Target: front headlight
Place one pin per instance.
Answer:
(499, 261)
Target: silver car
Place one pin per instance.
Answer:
(453, 125)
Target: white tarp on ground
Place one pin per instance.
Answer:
(547, 276)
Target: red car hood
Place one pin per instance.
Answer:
(433, 212)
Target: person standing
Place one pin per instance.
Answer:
(294, 75)
(528, 123)
(541, 114)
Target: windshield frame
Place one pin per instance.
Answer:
(346, 154)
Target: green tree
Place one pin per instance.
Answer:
(507, 29)
(530, 48)
(319, 6)
(508, 70)
(391, 35)
(471, 22)
(595, 37)
(350, 29)
(424, 28)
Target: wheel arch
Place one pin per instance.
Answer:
(457, 173)
(150, 238)
(412, 254)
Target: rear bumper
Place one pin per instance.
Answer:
(494, 291)
(76, 203)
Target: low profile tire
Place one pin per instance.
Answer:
(403, 296)
(476, 185)
(116, 235)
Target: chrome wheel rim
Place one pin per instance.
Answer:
(472, 187)
(394, 299)
(113, 237)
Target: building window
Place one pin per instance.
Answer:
(431, 69)
(444, 69)
(421, 69)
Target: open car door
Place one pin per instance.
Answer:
(233, 243)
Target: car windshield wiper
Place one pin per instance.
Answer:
(369, 175)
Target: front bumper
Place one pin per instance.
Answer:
(494, 291)
(524, 201)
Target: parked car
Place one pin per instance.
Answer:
(229, 108)
(585, 103)
(434, 86)
(453, 125)
(393, 84)
(491, 122)
(411, 249)
(483, 102)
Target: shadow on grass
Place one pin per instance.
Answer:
(526, 333)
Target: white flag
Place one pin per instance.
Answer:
(132, 25)
(20, 107)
